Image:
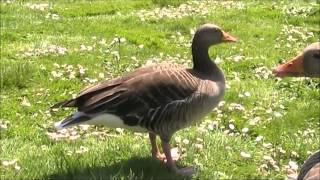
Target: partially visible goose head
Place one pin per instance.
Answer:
(306, 63)
(210, 34)
(206, 36)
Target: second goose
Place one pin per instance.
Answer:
(159, 99)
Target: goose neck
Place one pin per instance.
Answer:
(201, 59)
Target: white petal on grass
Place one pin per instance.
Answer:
(82, 149)
(9, 162)
(211, 126)
(189, 8)
(269, 111)
(122, 40)
(245, 130)
(247, 94)
(254, 121)
(4, 124)
(196, 161)
(199, 140)
(25, 102)
(40, 6)
(235, 106)
(221, 103)
(198, 146)
(294, 154)
(282, 151)
(120, 130)
(16, 167)
(267, 158)
(291, 175)
(102, 42)
(83, 47)
(245, 155)
(293, 165)
(277, 114)
(231, 126)
(185, 141)
(258, 138)
(89, 48)
(101, 75)
(267, 145)
(177, 139)
(237, 58)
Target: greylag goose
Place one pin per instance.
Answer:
(159, 99)
(306, 63)
(310, 170)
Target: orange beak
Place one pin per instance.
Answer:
(227, 37)
(293, 67)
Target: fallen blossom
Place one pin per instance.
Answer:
(231, 126)
(40, 6)
(293, 165)
(9, 162)
(185, 141)
(52, 16)
(254, 121)
(247, 94)
(82, 149)
(235, 106)
(198, 146)
(4, 124)
(245, 130)
(267, 158)
(245, 155)
(294, 154)
(44, 49)
(101, 75)
(267, 145)
(25, 102)
(189, 8)
(177, 139)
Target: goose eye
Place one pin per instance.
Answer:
(316, 55)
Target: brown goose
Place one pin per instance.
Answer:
(159, 99)
(310, 170)
(306, 63)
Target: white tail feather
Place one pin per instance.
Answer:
(108, 120)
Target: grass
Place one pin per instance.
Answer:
(41, 50)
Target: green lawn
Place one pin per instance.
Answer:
(50, 50)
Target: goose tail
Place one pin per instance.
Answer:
(71, 120)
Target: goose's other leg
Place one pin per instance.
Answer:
(154, 148)
(170, 161)
(157, 154)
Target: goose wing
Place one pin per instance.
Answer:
(140, 91)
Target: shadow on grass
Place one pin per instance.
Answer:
(135, 168)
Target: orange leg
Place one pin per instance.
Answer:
(154, 148)
(157, 154)
(170, 161)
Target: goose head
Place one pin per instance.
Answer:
(206, 36)
(210, 34)
(306, 64)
